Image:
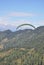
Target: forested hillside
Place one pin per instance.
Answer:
(23, 47)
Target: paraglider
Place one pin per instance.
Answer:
(24, 25)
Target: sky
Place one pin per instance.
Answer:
(16, 12)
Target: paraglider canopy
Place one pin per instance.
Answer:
(24, 25)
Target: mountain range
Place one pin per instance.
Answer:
(27, 38)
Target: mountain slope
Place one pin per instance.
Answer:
(27, 38)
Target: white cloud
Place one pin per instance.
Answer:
(5, 21)
(21, 14)
(15, 23)
(6, 24)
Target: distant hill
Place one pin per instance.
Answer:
(26, 38)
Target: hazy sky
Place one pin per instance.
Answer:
(16, 12)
